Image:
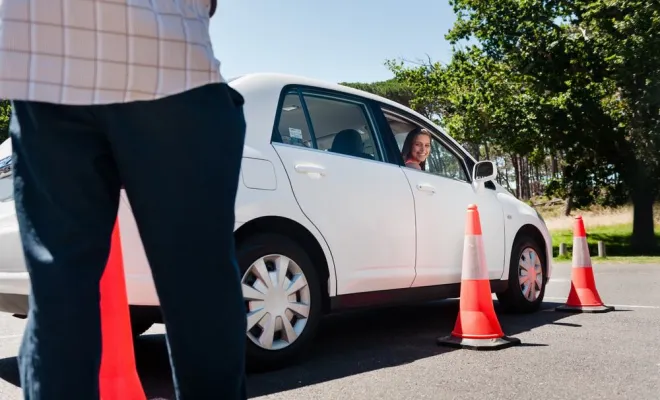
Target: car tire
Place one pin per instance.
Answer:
(269, 247)
(525, 251)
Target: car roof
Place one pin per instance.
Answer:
(281, 80)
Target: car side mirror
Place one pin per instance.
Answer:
(484, 171)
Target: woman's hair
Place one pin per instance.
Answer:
(407, 144)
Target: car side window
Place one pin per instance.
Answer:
(336, 125)
(341, 126)
(292, 128)
(443, 162)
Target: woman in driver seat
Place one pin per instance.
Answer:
(416, 148)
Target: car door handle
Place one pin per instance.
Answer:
(310, 169)
(426, 188)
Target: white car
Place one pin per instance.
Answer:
(329, 221)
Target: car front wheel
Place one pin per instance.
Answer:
(527, 277)
(282, 295)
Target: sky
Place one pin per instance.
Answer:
(336, 41)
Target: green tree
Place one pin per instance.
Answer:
(578, 78)
(479, 101)
(5, 113)
(391, 89)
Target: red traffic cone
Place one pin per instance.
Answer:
(477, 326)
(583, 297)
(118, 378)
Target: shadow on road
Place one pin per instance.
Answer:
(348, 344)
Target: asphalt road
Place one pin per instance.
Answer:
(391, 354)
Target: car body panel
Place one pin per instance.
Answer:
(518, 214)
(346, 204)
(265, 190)
(441, 217)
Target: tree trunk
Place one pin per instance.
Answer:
(643, 194)
(506, 176)
(569, 206)
(475, 150)
(554, 167)
(643, 239)
(537, 181)
(530, 178)
(516, 172)
(525, 178)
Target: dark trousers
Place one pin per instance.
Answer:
(179, 160)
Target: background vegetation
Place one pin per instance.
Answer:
(5, 112)
(563, 94)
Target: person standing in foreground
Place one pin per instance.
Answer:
(105, 94)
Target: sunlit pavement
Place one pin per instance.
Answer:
(391, 354)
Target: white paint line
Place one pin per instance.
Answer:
(613, 305)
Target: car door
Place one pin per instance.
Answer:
(363, 206)
(442, 194)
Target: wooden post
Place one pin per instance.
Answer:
(562, 249)
(601, 249)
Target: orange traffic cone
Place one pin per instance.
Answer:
(118, 378)
(583, 297)
(477, 326)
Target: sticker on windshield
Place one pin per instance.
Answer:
(295, 133)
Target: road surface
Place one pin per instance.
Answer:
(391, 354)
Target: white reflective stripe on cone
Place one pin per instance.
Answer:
(581, 258)
(127, 228)
(474, 258)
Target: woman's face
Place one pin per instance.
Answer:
(421, 146)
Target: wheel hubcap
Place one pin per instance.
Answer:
(530, 274)
(277, 298)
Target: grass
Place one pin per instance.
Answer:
(615, 237)
(615, 260)
(593, 217)
(612, 226)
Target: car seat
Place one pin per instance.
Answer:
(349, 142)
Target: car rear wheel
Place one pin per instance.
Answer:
(527, 277)
(282, 295)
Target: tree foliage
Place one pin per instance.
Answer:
(392, 89)
(5, 113)
(570, 80)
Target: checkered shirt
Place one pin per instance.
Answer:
(104, 51)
